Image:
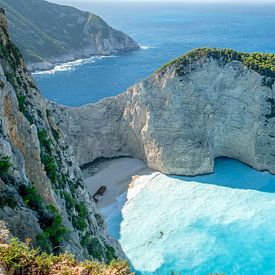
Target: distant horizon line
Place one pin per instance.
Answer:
(168, 2)
(164, 2)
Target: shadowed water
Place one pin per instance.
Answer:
(234, 174)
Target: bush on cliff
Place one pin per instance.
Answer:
(20, 258)
(49, 219)
(5, 165)
(262, 63)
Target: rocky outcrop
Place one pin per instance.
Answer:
(57, 33)
(206, 104)
(42, 194)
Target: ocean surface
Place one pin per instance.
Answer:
(164, 31)
(222, 222)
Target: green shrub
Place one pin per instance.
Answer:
(79, 223)
(5, 165)
(82, 210)
(43, 241)
(7, 198)
(53, 235)
(31, 197)
(85, 240)
(57, 231)
(49, 219)
(95, 248)
(21, 103)
(110, 253)
(63, 180)
(70, 201)
(262, 63)
(19, 258)
(48, 161)
(44, 140)
(50, 167)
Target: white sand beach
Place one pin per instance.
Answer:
(116, 175)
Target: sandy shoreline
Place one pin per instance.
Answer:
(116, 175)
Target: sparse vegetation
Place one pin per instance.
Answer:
(262, 63)
(95, 248)
(47, 159)
(55, 232)
(49, 219)
(21, 103)
(50, 167)
(5, 165)
(19, 258)
(70, 201)
(31, 197)
(110, 253)
(45, 140)
(65, 34)
(80, 221)
(7, 198)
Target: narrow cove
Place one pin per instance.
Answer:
(221, 222)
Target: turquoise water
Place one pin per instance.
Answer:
(222, 222)
(165, 31)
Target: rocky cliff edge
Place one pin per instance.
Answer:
(206, 104)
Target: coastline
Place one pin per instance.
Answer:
(51, 65)
(69, 65)
(118, 175)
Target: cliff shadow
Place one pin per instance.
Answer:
(235, 174)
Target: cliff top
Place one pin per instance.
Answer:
(262, 63)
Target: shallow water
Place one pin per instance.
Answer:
(223, 222)
(212, 223)
(165, 31)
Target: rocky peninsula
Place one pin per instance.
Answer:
(209, 103)
(55, 34)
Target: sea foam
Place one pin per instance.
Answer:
(168, 224)
(70, 66)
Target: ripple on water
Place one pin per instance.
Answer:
(199, 228)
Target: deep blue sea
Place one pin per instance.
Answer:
(218, 223)
(165, 31)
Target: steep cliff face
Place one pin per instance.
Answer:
(206, 104)
(42, 195)
(56, 33)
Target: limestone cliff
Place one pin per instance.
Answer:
(57, 33)
(206, 104)
(42, 195)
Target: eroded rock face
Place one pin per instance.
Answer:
(179, 122)
(42, 194)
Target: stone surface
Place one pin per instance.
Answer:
(58, 33)
(179, 123)
(23, 117)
